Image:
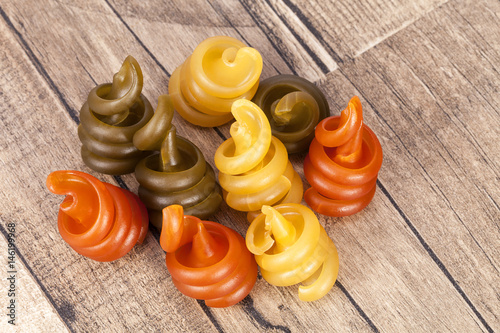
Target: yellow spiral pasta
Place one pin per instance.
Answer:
(254, 166)
(220, 71)
(291, 247)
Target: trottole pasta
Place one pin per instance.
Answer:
(294, 106)
(221, 70)
(207, 260)
(109, 119)
(254, 166)
(291, 247)
(177, 174)
(98, 220)
(342, 164)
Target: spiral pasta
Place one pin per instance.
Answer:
(294, 106)
(291, 247)
(109, 118)
(254, 166)
(206, 260)
(342, 164)
(220, 70)
(98, 220)
(178, 174)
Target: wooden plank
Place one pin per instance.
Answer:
(89, 70)
(345, 29)
(427, 96)
(38, 136)
(34, 312)
(402, 301)
(391, 276)
(181, 28)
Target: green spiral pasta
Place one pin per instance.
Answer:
(294, 106)
(109, 119)
(177, 174)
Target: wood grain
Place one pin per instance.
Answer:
(441, 166)
(423, 256)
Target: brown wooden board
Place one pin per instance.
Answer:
(344, 29)
(440, 132)
(423, 256)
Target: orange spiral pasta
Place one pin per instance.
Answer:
(98, 220)
(253, 164)
(206, 260)
(291, 247)
(221, 70)
(342, 164)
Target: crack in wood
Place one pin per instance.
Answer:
(260, 24)
(210, 315)
(86, 71)
(357, 307)
(258, 319)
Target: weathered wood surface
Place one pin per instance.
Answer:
(422, 257)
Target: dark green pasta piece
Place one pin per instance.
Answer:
(177, 174)
(110, 117)
(294, 106)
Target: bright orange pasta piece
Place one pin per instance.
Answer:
(98, 220)
(342, 164)
(207, 260)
